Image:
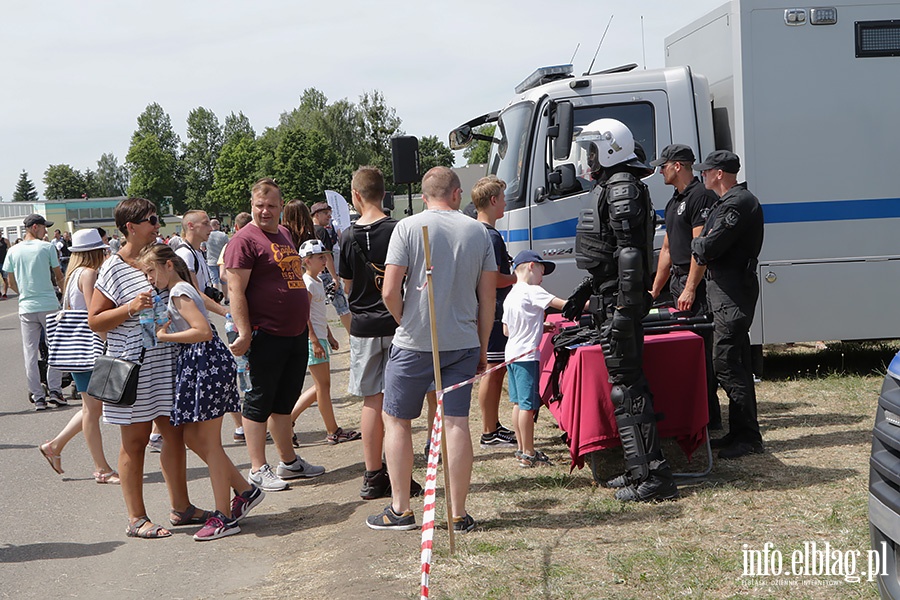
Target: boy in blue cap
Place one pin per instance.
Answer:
(523, 322)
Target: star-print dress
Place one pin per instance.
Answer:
(205, 373)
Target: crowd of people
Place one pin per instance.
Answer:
(272, 280)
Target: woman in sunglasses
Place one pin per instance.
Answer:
(124, 293)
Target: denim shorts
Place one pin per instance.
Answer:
(524, 378)
(340, 300)
(410, 373)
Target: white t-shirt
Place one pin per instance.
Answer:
(196, 264)
(182, 288)
(523, 315)
(317, 306)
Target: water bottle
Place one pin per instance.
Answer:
(147, 319)
(243, 365)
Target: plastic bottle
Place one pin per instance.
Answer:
(243, 365)
(147, 319)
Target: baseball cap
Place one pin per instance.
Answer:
(36, 219)
(318, 207)
(720, 159)
(310, 247)
(527, 256)
(674, 153)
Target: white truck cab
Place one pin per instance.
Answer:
(805, 96)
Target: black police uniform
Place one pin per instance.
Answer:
(685, 211)
(614, 243)
(729, 246)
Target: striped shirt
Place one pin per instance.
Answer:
(121, 283)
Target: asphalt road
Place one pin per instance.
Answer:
(64, 535)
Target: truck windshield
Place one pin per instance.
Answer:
(508, 151)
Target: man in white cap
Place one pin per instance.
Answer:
(30, 265)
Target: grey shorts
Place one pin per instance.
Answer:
(409, 374)
(368, 358)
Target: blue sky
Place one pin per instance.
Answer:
(77, 74)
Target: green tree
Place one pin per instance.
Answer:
(153, 159)
(235, 173)
(62, 181)
(479, 151)
(110, 179)
(301, 159)
(237, 125)
(380, 124)
(152, 170)
(434, 153)
(204, 136)
(265, 146)
(25, 191)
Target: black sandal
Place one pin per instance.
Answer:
(152, 533)
(188, 516)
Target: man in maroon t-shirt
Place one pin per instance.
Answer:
(270, 307)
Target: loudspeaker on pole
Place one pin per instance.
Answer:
(405, 159)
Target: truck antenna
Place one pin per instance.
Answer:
(577, 46)
(643, 45)
(602, 37)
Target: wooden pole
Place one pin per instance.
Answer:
(438, 385)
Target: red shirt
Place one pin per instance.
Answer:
(276, 296)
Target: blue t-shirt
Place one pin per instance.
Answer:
(504, 260)
(32, 262)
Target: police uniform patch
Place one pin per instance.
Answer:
(731, 218)
(704, 214)
(680, 210)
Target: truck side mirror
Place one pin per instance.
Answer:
(563, 180)
(461, 137)
(564, 122)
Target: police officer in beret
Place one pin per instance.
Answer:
(729, 246)
(686, 214)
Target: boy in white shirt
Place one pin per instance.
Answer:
(523, 322)
(313, 254)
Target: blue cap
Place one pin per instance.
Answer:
(527, 256)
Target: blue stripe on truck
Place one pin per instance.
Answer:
(790, 212)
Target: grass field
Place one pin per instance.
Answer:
(546, 533)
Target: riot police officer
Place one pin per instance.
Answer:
(686, 214)
(729, 246)
(614, 243)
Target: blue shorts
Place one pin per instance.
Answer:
(214, 275)
(409, 374)
(312, 354)
(524, 378)
(81, 380)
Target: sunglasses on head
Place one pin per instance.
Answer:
(154, 220)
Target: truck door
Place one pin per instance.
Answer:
(553, 208)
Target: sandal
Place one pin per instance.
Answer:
(54, 459)
(342, 436)
(151, 533)
(111, 477)
(189, 516)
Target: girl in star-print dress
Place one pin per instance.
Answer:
(205, 387)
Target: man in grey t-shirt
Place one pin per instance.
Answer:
(464, 280)
(215, 243)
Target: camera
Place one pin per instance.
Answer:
(214, 294)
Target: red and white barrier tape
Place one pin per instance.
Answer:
(434, 453)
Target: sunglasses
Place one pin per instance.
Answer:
(153, 219)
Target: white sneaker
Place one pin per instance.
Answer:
(297, 469)
(266, 480)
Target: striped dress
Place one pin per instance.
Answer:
(121, 283)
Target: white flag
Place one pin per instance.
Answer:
(340, 210)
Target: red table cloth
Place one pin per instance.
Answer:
(675, 369)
